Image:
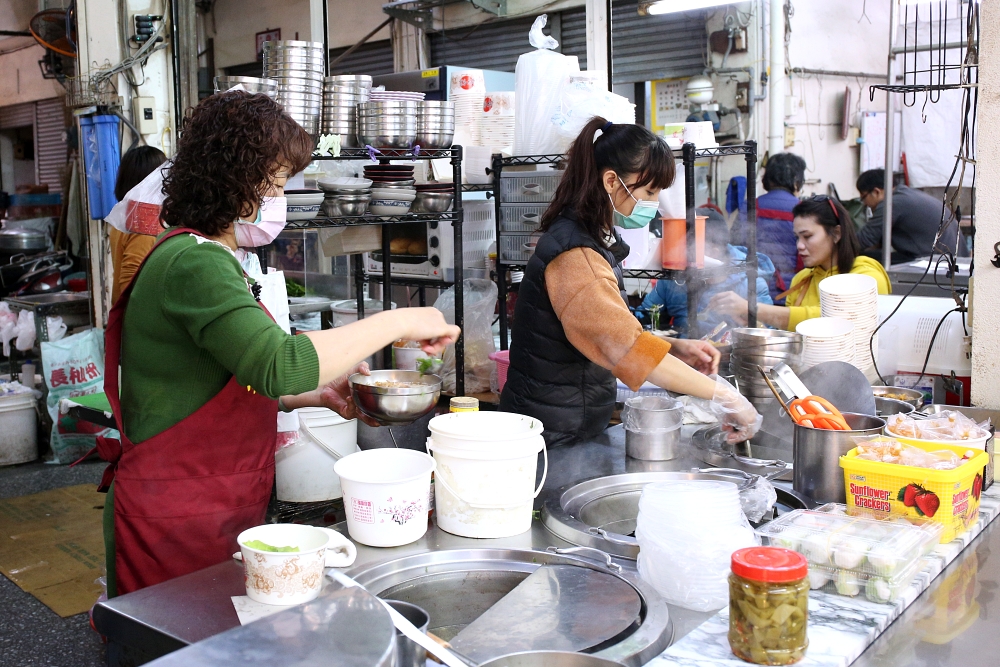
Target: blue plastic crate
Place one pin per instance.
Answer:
(101, 155)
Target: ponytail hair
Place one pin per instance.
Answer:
(624, 148)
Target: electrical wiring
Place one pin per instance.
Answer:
(964, 158)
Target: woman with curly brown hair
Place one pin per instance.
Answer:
(203, 367)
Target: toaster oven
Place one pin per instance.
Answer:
(427, 249)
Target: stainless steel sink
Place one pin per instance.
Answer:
(457, 586)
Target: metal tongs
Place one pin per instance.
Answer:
(787, 381)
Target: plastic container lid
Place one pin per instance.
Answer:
(770, 565)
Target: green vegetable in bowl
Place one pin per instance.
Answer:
(293, 288)
(263, 546)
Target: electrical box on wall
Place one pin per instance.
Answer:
(789, 136)
(743, 96)
(144, 114)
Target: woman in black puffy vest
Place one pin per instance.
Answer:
(574, 333)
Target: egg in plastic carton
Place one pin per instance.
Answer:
(929, 526)
(850, 551)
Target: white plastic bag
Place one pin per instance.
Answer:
(73, 366)
(139, 211)
(583, 96)
(480, 297)
(8, 327)
(56, 328)
(538, 80)
(25, 331)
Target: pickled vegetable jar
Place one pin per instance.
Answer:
(768, 605)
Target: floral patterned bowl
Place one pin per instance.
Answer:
(289, 577)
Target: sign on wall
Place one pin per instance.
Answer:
(266, 36)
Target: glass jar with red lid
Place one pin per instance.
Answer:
(768, 605)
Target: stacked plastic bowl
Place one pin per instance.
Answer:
(250, 84)
(341, 95)
(387, 124)
(765, 348)
(435, 125)
(298, 68)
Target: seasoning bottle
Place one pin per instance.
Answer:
(464, 404)
(768, 605)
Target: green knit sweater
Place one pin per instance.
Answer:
(192, 324)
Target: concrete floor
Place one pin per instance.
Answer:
(30, 633)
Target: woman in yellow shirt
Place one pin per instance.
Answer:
(825, 246)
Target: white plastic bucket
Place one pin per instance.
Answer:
(284, 578)
(18, 429)
(489, 491)
(304, 471)
(478, 430)
(346, 312)
(385, 495)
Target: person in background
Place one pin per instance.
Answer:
(673, 298)
(128, 250)
(827, 242)
(916, 217)
(575, 333)
(784, 175)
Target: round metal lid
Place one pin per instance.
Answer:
(23, 239)
(601, 513)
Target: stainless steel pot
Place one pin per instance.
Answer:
(408, 653)
(817, 472)
(22, 240)
(890, 406)
(652, 427)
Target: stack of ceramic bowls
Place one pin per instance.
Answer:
(826, 339)
(298, 69)
(250, 84)
(497, 129)
(765, 348)
(341, 96)
(435, 125)
(387, 124)
(393, 189)
(467, 89)
(854, 297)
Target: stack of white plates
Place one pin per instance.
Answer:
(854, 298)
(827, 339)
(395, 96)
(298, 68)
(497, 129)
(467, 89)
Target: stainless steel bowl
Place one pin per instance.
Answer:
(356, 79)
(911, 396)
(350, 192)
(387, 140)
(296, 74)
(250, 84)
(292, 44)
(395, 404)
(293, 62)
(298, 86)
(432, 202)
(390, 185)
(435, 141)
(390, 105)
(890, 406)
(437, 104)
(300, 99)
(345, 205)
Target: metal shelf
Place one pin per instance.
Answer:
(918, 88)
(392, 154)
(478, 187)
(686, 274)
(411, 281)
(367, 219)
(521, 160)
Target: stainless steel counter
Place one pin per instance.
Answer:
(960, 610)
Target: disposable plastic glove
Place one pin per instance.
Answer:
(738, 417)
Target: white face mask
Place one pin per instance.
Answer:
(271, 217)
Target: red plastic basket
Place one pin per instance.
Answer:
(502, 359)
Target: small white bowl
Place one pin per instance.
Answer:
(343, 183)
(389, 207)
(299, 213)
(394, 195)
(304, 197)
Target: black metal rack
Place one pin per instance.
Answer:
(695, 277)
(455, 217)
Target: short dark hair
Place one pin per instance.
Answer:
(830, 213)
(625, 148)
(137, 163)
(784, 171)
(871, 179)
(227, 155)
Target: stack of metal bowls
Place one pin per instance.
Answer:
(387, 124)
(765, 348)
(250, 84)
(341, 95)
(435, 124)
(298, 67)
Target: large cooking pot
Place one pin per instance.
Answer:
(817, 455)
(550, 659)
(26, 241)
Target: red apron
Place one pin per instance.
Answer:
(182, 496)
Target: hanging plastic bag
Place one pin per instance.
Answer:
(584, 96)
(8, 327)
(25, 331)
(538, 80)
(139, 211)
(480, 297)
